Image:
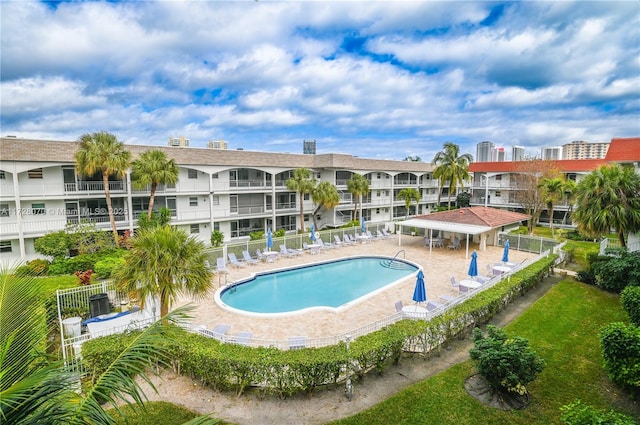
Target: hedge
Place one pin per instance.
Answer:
(284, 373)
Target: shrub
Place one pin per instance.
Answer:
(257, 235)
(107, 265)
(579, 413)
(630, 301)
(217, 238)
(620, 346)
(615, 273)
(56, 244)
(71, 265)
(37, 267)
(506, 363)
(279, 233)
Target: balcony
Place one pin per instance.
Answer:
(95, 186)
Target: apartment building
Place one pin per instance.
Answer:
(236, 192)
(584, 150)
(495, 184)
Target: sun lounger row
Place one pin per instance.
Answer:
(221, 333)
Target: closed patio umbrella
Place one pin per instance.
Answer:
(473, 267)
(269, 240)
(505, 254)
(313, 233)
(420, 292)
(363, 227)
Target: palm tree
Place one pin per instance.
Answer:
(153, 168)
(165, 262)
(608, 198)
(409, 195)
(325, 195)
(569, 191)
(302, 183)
(553, 190)
(358, 186)
(36, 390)
(102, 152)
(451, 166)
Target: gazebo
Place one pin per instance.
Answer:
(472, 221)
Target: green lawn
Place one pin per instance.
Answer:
(563, 328)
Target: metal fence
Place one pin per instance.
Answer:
(527, 243)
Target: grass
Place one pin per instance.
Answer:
(562, 327)
(157, 412)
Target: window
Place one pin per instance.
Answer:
(216, 200)
(37, 209)
(5, 246)
(192, 174)
(2, 176)
(195, 228)
(214, 175)
(36, 173)
(499, 177)
(216, 226)
(193, 201)
(497, 193)
(4, 210)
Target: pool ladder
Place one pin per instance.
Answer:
(390, 263)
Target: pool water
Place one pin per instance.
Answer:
(331, 284)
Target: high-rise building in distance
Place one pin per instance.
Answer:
(309, 147)
(217, 144)
(484, 151)
(179, 141)
(552, 153)
(517, 153)
(584, 150)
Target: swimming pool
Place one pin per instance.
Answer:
(331, 285)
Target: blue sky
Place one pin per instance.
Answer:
(375, 79)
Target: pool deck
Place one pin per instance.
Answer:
(439, 265)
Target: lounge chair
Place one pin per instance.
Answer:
(310, 250)
(454, 283)
(337, 240)
(381, 235)
(221, 265)
(247, 258)
(234, 260)
(208, 266)
(243, 338)
(446, 298)
(386, 234)
(432, 305)
(287, 252)
(455, 244)
(218, 332)
(297, 342)
(437, 242)
(347, 239)
(325, 245)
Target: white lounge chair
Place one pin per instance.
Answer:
(310, 250)
(287, 252)
(347, 240)
(399, 306)
(337, 240)
(243, 338)
(297, 342)
(455, 244)
(325, 245)
(386, 234)
(221, 265)
(234, 260)
(248, 259)
(432, 305)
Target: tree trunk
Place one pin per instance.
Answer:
(623, 243)
(152, 196)
(301, 213)
(551, 220)
(112, 220)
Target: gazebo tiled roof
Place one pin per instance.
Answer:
(469, 221)
(476, 216)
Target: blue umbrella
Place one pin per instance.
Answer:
(363, 228)
(313, 233)
(505, 254)
(420, 293)
(473, 267)
(269, 239)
